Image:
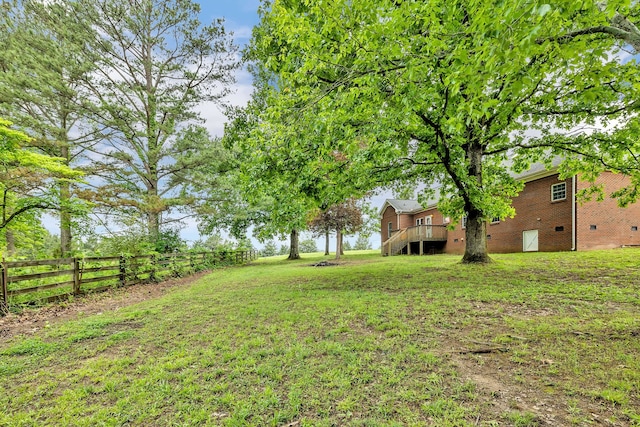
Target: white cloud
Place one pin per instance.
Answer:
(212, 114)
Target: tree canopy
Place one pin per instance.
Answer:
(157, 64)
(457, 95)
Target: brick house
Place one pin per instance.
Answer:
(548, 219)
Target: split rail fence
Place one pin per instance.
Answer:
(29, 282)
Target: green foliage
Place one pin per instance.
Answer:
(308, 246)
(131, 242)
(437, 93)
(148, 90)
(169, 241)
(214, 242)
(284, 250)
(362, 243)
(270, 249)
(28, 184)
(43, 88)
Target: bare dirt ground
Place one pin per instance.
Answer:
(31, 320)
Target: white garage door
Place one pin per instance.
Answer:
(530, 241)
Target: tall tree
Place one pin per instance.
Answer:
(446, 91)
(43, 70)
(158, 64)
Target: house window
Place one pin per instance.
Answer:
(389, 228)
(593, 227)
(634, 228)
(560, 228)
(464, 221)
(495, 219)
(419, 221)
(558, 192)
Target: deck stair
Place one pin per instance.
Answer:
(400, 239)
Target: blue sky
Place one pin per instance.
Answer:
(240, 15)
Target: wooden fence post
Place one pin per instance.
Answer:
(122, 264)
(76, 276)
(4, 304)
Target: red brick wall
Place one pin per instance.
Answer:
(389, 215)
(613, 224)
(455, 240)
(436, 216)
(406, 220)
(535, 211)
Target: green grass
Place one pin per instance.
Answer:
(372, 342)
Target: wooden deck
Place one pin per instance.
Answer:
(401, 239)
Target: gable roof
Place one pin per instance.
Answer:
(402, 206)
(405, 206)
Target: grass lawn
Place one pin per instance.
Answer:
(530, 340)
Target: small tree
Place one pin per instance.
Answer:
(344, 217)
(362, 243)
(284, 250)
(308, 246)
(270, 249)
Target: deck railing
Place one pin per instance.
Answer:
(427, 233)
(420, 233)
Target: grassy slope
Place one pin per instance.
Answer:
(375, 341)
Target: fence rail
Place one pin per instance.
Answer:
(23, 282)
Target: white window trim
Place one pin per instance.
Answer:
(389, 229)
(554, 186)
(419, 221)
(463, 221)
(495, 220)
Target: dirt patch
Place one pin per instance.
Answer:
(500, 393)
(507, 387)
(31, 320)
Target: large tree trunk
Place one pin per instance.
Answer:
(338, 243)
(475, 250)
(294, 250)
(326, 242)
